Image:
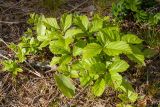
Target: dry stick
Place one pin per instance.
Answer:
(78, 6)
(12, 6)
(7, 22)
(35, 71)
(4, 56)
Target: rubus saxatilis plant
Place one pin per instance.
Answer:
(90, 50)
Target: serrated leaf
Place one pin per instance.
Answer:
(68, 41)
(96, 25)
(66, 21)
(77, 66)
(72, 32)
(85, 80)
(54, 61)
(65, 85)
(126, 86)
(111, 33)
(82, 22)
(44, 44)
(116, 48)
(98, 68)
(91, 50)
(52, 22)
(131, 38)
(133, 96)
(137, 56)
(118, 66)
(58, 47)
(78, 48)
(65, 59)
(114, 79)
(99, 87)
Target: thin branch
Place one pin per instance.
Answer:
(16, 22)
(78, 6)
(35, 71)
(4, 56)
(12, 6)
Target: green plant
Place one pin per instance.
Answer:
(90, 50)
(11, 66)
(136, 9)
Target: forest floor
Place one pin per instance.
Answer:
(26, 90)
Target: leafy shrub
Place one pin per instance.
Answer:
(83, 48)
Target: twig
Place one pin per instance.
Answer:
(4, 56)
(7, 22)
(35, 71)
(12, 6)
(78, 6)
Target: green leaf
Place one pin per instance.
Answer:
(12, 67)
(52, 22)
(87, 63)
(98, 68)
(68, 41)
(91, 50)
(44, 44)
(129, 95)
(74, 74)
(58, 47)
(82, 22)
(72, 32)
(137, 56)
(130, 38)
(65, 85)
(66, 21)
(116, 48)
(54, 61)
(99, 87)
(111, 33)
(77, 66)
(63, 68)
(21, 52)
(78, 48)
(41, 29)
(123, 105)
(114, 79)
(133, 96)
(85, 80)
(49, 35)
(96, 25)
(102, 38)
(65, 59)
(126, 86)
(118, 66)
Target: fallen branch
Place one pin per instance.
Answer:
(16, 22)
